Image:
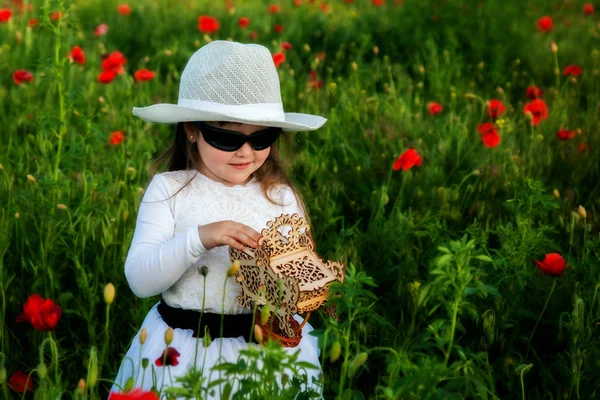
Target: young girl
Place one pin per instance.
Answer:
(224, 182)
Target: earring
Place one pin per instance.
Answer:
(191, 138)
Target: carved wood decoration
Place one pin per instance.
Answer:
(285, 272)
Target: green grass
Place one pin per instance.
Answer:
(443, 294)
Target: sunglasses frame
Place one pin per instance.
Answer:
(211, 133)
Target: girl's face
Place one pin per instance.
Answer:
(229, 168)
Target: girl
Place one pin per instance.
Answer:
(224, 182)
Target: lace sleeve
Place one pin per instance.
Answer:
(157, 258)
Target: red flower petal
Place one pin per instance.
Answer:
(243, 22)
(538, 110)
(572, 70)
(144, 75)
(21, 76)
(434, 108)
(20, 381)
(137, 394)
(124, 9)
(544, 24)
(77, 55)
(534, 92)
(168, 357)
(278, 59)
(407, 160)
(116, 138)
(553, 264)
(106, 76)
(208, 24)
(565, 134)
(495, 109)
(5, 15)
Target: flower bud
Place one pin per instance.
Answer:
(581, 211)
(42, 370)
(128, 385)
(206, 339)
(554, 47)
(529, 115)
(145, 362)
(82, 386)
(169, 333)
(234, 268)
(336, 351)
(358, 361)
(109, 293)
(61, 206)
(30, 178)
(265, 313)
(258, 333)
(143, 336)
(556, 194)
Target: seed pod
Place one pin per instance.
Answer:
(128, 385)
(265, 313)
(206, 339)
(145, 362)
(357, 362)
(42, 370)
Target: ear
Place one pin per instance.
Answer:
(190, 131)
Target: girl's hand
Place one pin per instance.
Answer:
(228, 233)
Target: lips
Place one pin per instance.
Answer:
(240, 166)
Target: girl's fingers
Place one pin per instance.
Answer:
(231, 242)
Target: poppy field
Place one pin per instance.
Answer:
(457, 178)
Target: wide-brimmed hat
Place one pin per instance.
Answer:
(230, 81)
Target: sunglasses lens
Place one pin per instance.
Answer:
(266, 138)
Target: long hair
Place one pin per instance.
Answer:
(182, 154)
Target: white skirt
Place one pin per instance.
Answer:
(187, 346)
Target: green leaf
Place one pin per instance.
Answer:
(483, 257)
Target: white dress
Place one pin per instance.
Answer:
(166, 256)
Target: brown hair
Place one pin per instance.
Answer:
(182, 154)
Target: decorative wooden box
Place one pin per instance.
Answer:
(285, 272)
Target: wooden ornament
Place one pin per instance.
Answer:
(285, 272)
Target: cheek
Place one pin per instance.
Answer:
(210, 155)
(262, 155)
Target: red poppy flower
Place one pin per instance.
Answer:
(588, 9)
(378, 3)
(42, 314)
(544, 24)
(274, 9)
(495, 109)
(101, 30)
(313, 82)
(5, 15)
(253, 35)
(106, 76)
(124, 9)
(434, 108)
(77, 55)
(286, 46)
(116, 138)
(114, 62)
(144, 75)
(278, 59)
(243, 22)
(56, 15)
(534, 92)
(20, 381)
(137, 394)
(407, 160)
(565, 134)
(489, 134)
(553, 264)
(278, 28)
(169, 357)
(33, 22)
(208, 24)
(538, 110)
(297, 3)
(572, 70)
(583, 147)
(21, 76)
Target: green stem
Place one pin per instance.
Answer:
(540, 317)
(452, 330)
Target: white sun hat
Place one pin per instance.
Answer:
(230, 81)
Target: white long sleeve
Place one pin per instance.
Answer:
(158, 257)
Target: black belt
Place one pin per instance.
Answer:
(234, 325)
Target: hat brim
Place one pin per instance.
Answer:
(173, 113)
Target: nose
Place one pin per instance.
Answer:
(244, 151)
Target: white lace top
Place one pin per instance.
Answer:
(166, 254)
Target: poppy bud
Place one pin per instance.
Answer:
(82, 386)
(30, 178)
(556, 194)
(145, 362)
(234, 268)
(128, 385)
(258, 333)
(169, 333)
(109, 293)
(206, 339)
(143, 335)
(581, 211)
(554, 47)
(529, 115)
(265, 313)
(92, 377)
(358, 361)
(336, 351)
(17, 215)
(42, 370)
(204, 270)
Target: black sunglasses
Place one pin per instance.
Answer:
(227, 140)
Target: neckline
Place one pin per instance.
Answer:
(206, 179)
